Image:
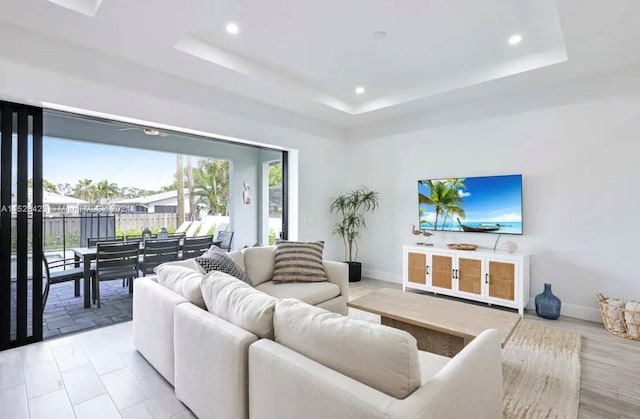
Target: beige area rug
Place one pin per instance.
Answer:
(540, 369)
(541, 372)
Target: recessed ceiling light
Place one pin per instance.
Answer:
(359, 90)
(515, 39)
(379, 35)
(152, 132)
(232, 28)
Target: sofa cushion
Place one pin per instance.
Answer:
(298, 262)
(258, 263)
(182, 280)
(431, 364)
(239, 303)
(187, 263)
(216, 259)
(375, 355)
(310, 293)
(237, 257)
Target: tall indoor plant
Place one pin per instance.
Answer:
(351, 208)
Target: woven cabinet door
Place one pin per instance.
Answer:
(417, 263)
(502, 280)
(470, 275)
(442, 267)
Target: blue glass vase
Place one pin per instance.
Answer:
(547, 304)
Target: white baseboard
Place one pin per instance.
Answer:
(569, 310)
(575, 311)
(381, 275)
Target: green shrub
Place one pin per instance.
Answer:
(138, 232)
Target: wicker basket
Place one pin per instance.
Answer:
(619, 320)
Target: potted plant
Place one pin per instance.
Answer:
(351, 207)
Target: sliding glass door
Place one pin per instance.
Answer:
(20, 224)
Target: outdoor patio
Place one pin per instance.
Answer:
(65, 313)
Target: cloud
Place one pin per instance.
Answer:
(505, 210)
(463, 194)
(514, 217)
(507, 217)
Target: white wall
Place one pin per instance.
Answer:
(579, 160)
(580, 164)
(39, 69)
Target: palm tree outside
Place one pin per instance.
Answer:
(107, 190)
(85, 189)
(211, 186)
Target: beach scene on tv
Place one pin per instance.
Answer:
(489, 204)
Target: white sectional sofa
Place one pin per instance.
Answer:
(323, 367)
(153, 304)
(248, 354)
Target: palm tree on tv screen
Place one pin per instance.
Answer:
(442, 196)
(453, 211)
(455, 184)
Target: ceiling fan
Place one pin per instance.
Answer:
(153, 132)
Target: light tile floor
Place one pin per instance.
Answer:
(98, 374)
(95, 374)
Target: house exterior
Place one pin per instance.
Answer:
(53, 203)
(164, 202)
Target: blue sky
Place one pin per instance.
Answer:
(489, 199)
(68, 161)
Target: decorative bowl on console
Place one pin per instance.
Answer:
(462, 246)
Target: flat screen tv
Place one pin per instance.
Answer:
(487, 204)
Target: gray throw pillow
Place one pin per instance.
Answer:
(298, 262)
(216, 259)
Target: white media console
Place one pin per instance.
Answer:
(492, 277)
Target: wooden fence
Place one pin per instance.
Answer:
(126, 222)
(53, 226)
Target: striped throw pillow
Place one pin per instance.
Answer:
(298, 262)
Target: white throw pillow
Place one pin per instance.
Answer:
(239, 303)
(258, 263)
(182, 280)
(378, 356)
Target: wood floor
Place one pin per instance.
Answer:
(610, 380)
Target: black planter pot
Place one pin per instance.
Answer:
(355, 271)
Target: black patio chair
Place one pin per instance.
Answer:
(115, 261)
(57, 272)
(158, 251)
(225, 238)
(92, 241)
(196, 246)
(181, 235)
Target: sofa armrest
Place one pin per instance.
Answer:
(153, 307)
(475, 372)
(338, 273)
(211, 357)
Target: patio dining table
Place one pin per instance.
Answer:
(86, 255)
